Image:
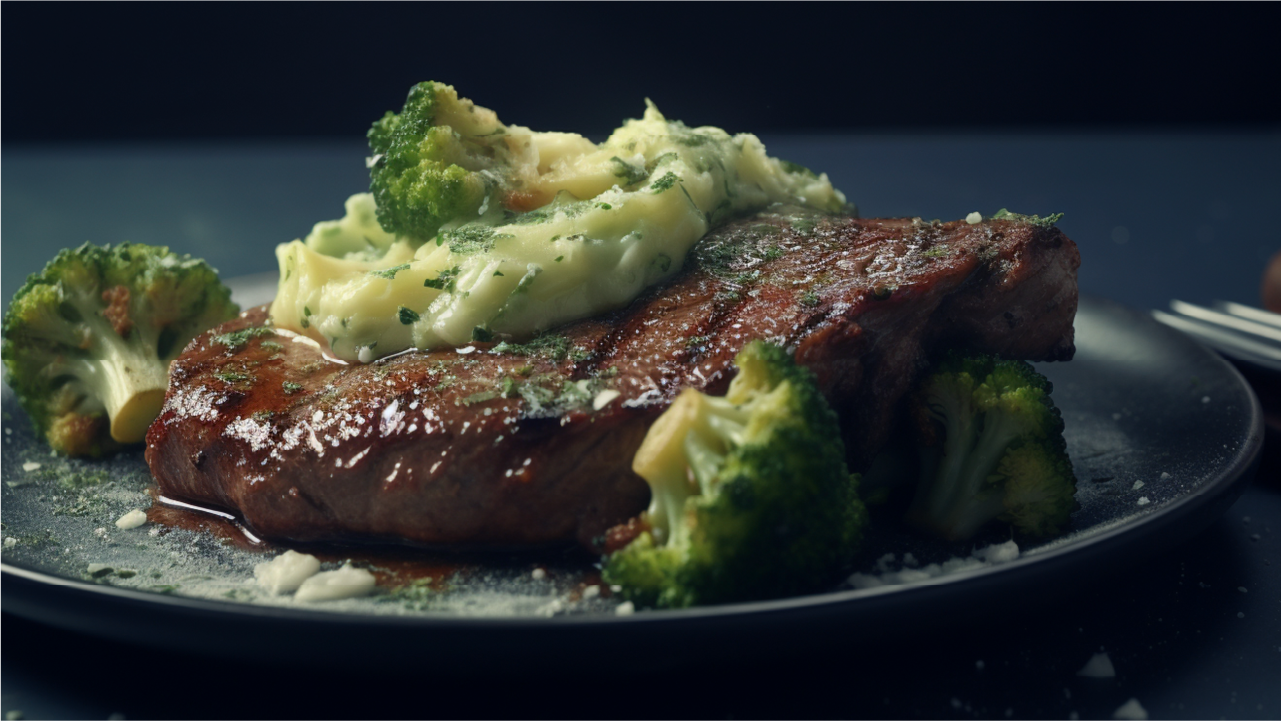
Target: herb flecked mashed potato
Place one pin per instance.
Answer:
(558, 228)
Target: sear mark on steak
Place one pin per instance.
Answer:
(517, 445)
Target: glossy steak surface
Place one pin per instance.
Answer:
(500, 444)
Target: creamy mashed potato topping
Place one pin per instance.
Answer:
(571, 229)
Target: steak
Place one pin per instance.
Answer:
(499, 444)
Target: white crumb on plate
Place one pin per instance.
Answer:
(1131, 710)
(346, 582)
(974, 218)
(1099, 666)
(10, 542)
(132, 519)
(30, 466)
(626, 608)
(604, 398)
(1137, 485)
(287, 571)
(1143, 500)
(885, 575)
(1165, 476)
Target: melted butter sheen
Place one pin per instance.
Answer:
(591, 227)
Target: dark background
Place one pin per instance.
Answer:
(115, 72)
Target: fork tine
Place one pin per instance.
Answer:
(1245, 311)
(1226, 320)
(1221, 338)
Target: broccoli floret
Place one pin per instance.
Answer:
(751, 497)
(992, 448)
(432, 161)
(88, 340)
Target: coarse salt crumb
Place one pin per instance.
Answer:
(30, 466)
(132, 519)
(538, 574)
(591, 592)
(1137, 485)
(1143, 500)
(1099, 666)
(974, 218)
(626, 608)
(1131, 710)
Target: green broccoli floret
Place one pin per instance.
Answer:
(992, 448)
(751, 495)
(430, 161)
(88, 340)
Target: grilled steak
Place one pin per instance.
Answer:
(497, 444)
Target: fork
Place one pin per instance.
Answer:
(1241, 333)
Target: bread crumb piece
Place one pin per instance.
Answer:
(974, 218)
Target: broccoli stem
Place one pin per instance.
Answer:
(953, 503)
(122, 372)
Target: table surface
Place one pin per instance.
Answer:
(1194, 632)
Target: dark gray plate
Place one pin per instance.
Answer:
(1162, 432)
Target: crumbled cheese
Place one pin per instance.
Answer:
(626, 608)
(1143, 500)
(1131, 710)
(287, 571)
(30, 466)
(10, 542)
(538, 574)
(132, 519)
(591, 592)
(346, 582)
(974, 218)
(603, 398)
(1099, 666)
(1137, 485)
